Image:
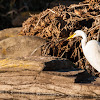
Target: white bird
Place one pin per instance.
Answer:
(91, 49)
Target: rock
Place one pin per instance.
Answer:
(20, 46)
(29, 97)
(26, 76)
(26, 80)
(23, 73)
(20, 19)
(20, 64)
(13, 45)
(97, 81)
(35, 63)
(10, 32)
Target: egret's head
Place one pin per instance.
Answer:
(76, 34)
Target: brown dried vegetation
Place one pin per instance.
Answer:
(58, 23)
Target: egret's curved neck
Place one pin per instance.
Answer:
(84, 40)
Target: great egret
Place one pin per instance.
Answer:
(91, 49)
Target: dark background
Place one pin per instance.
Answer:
(14, 12)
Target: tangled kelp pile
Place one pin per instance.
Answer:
(58, 23)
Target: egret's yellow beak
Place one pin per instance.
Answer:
(71, 36)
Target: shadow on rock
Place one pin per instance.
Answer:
(66, 69)
(59, 65)
(84, 77)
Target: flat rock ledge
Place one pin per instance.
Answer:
(24, 72)
(46, 76)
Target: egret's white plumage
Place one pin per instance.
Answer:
(91, 49)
